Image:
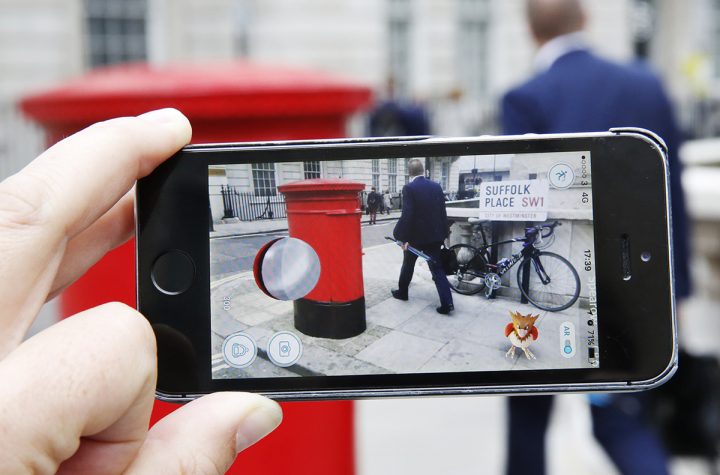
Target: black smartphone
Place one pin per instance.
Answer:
(538, 263)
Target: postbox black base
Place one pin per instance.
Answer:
(330, 319)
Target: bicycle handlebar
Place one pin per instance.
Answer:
(551, 228)
(539, 229)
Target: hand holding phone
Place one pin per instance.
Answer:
(542, 285)
(78, 395)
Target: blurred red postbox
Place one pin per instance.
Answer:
(325, 214)
(225, 102)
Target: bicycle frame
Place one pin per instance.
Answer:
(527, 251)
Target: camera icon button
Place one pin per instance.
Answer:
(284, 349)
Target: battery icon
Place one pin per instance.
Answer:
(591, 353)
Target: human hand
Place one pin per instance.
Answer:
(77, 397)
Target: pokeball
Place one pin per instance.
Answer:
(286, 268)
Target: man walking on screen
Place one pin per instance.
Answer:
(423, 225)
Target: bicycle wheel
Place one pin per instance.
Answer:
(469, 277)
(553, 284)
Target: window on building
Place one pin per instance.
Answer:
(399, 51)
(312, 170)
(715, 38)
(642, 26)
(392, 175)
(376, 173)
(497, 178)
(263, 175)
(445, 175)
(407, 173)
(472, 50)
(430, 169)
(242, 23)
(532, 176)
(115, 31)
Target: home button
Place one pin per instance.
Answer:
(173, 272)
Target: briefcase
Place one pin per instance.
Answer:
(448, 259)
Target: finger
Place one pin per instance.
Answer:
(110, 231)
(62, 192)
(55, 188)
(205, 436)
(91, 376)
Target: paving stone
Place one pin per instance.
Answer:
(331, 363)
(391, 312)
(442, 328)
(280, 308)
(464, 355)
(400, 352)
(224, 324)
(350, 346)
(252, 318)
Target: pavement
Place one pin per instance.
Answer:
(244, 228)
(401, 336)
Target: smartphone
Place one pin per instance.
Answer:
(270, 267)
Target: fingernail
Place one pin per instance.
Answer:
(163, 116)
(259, 423)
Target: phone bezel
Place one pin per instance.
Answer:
(172, 213)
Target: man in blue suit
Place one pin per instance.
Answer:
(576, 91)
(573, 90)
(423, 225)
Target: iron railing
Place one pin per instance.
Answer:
(249, 207)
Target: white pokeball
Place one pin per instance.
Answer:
(287, 268)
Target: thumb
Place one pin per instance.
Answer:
(205, 436)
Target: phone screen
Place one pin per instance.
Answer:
(305, 256)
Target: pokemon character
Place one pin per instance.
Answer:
(521, 333)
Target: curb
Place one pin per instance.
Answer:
(270, 231)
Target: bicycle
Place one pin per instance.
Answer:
(547, 280)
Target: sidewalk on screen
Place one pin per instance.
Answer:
(401, 336)
(266, 226)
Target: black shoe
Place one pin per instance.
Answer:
(398, 295)
(445, 310)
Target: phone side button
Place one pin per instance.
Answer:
(173, 272)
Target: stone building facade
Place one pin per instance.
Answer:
(455, 56)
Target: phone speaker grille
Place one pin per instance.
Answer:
(625, 257)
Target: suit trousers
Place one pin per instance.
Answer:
(408, 267)
(630, 443)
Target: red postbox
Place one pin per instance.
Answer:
(325, 214)
(225, 102)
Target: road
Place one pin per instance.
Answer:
(230, 255)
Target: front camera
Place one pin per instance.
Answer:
(645, 256)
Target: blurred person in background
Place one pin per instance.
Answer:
(387, 201)
(395, 117)
(573, 90)
(374, 202)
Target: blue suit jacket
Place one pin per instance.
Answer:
(584, 93)
(424, 218)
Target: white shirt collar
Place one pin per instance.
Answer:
(558, 47)
(412, 178)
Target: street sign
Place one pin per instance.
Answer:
(514, 200)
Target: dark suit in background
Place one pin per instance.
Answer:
(423, 223)
(584, 93)
(581, 92)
